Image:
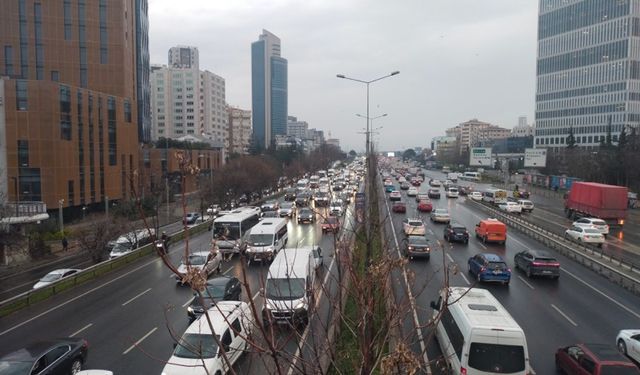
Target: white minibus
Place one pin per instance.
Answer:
(266, 238)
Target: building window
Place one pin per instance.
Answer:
(21, 95)
(111, 128)
(67, 19)
(103, 32)
(65, 113)
(8, 61)
(55, 75)
(82, 40)
(127, 110)
(71, 193)
(37, 28)
(24, 39)
(23, 153)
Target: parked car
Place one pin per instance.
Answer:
(628, 343)
(54, 276)
(537, 263)
(440, 215)
(330, 224)
(287, 209)
(489, 267)
(585, 235)
(527, 205)
(413, 227)
(206, 262)
(221, 288)
(434, 193)
(456, 232)
(417, 246)
(412, 192)
(593, 223)
(475, 195)
(511, 207)
(191, 218)
(425, 206)
(60, 356)
(593, 359)
(305, 215)
(399, 207)
(395, 196)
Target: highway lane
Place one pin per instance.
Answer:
(581, 306)
(129, 322)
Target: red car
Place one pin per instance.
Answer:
(415, 182)
(425, 206)
(399, 207)
(331, 224)
(601, 359)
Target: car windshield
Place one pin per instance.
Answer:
(51, 277)
(618, 370)
(228, 231)
(598, 222)
(441, 212)
(260, 239)
(459, 229)
(197, 260)
(15, 367)
(591, 231)
(122, 247)
(418, 240)
(196, 345)
(286, 206)
(331, 220)
(215, 291)
(305, 212)
(415, 223)
(285, 289)
(497, 266)
(494, 358)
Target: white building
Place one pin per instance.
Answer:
(239, 130)
(473, 132)
(184, 57)
(297, 128)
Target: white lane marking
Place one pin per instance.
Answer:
(138, 295)
(602, 294)
(482, 246)
(139, 341)
(525, 281)
(564, 315)
(227, 271)
(450, 258)
(465, 278)
(76, 298)
(255, 296)
(80, 330)
(412, 300)
(188, 302)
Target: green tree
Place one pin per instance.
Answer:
(353, 153)
(571, 139)
(409, 154)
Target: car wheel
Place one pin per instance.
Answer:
(76, 366)
(622, 347)
(529, 272)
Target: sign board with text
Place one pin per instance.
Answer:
(480, 156)
(360, 206)
(535, 157)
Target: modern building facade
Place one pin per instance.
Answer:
(588, 70)
(473, 133)
(239, 136)
(68, 100)
(143, 87)
(295, 128)
(269, 85)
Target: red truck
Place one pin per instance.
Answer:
(591, 199)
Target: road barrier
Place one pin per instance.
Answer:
(623, 273)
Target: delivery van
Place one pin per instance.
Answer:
(491, 230)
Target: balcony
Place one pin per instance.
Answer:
(23, 212)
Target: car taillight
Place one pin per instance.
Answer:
(483, 269)
(621, 222)
(463, 371)
(85, 344)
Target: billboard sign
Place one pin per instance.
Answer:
(535, 157)
(480, 157)
(360, 206)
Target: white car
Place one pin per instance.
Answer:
(452, 192)
(526, 204)
(205, 261)
(512, 207)
(54, 276)
(593, 223)
(413, 227)
(412, 192)
(476, 196)
(336, 208)
(628, 342)
(585, 235)
(435, 183)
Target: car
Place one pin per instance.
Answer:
(521, 194)
(59, 356)
(415, 182)
(593, 223)
(206, 262)
(336, 208)
(404, 186)
(527, 205)
(599, 359)
(440, 215)
(305, 215)
(456, 232)
(287, 209)
(290, 194)
(476, 196)
(511, 207)
(412, 192)
(301, 200)
(395, 196)
(447, 183)
(213, 210)
(425, 205)
(54, 276)
(221, 288)
(268, 214)
(399, 207)
(413, 227)
(402, 179)
(389, 189)
(435, 183)
(464, 190)
(322, 199)
(191, 218)
(628, 343)
(585, 235)
(330, 224)
(271, 205)
(537, 263)
(452, 192)
(434, 193)
(489, 267)
(417, 246)
(346, 198)
(422, 197)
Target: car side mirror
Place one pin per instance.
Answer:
(175, 345)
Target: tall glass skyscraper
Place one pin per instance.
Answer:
(143, 87)
(268, 90)
(588, 70)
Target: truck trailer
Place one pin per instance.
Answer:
(591, 199)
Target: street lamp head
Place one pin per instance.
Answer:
(384, 115)
(396, 72)
(340, 75)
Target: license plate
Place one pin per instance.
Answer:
(546, 271)
(496, 272)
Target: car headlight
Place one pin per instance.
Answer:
(301, 306)
(190, 309)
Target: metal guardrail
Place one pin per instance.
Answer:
(622, 273)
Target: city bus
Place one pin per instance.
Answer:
(495, 196)
(229, 229)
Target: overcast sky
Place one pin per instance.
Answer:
(458, 59)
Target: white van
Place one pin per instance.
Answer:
(266, 238)
(477, 335)
(289, 288)
(197, 352)
(130, 241)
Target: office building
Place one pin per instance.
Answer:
(297, 128)
(239, 137)
(268, 90)
(475, 133)
(69, 100)
(143, 87)
(588, 70)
